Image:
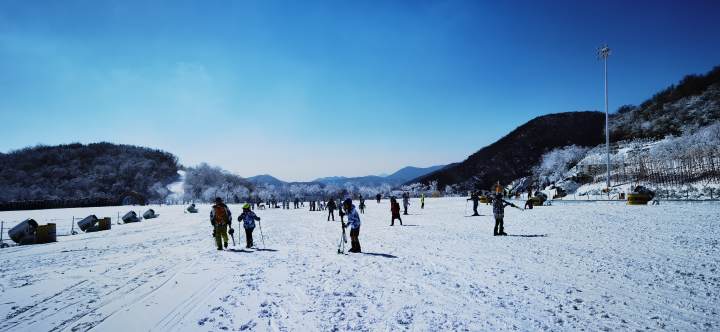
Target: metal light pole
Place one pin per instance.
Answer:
(604, 53)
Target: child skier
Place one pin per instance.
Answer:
(221, 220)
(248, 219)
(353, 223)
(394, 211)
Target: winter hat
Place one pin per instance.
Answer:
(218, 200)
(348, 201)
(246, 206)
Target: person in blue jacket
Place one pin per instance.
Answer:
(354, 224)
(248, 219)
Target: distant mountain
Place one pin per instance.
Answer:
(513, 156)
(265, 179)
(401, 176)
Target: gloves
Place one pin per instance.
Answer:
(231, 231)
(213, 232)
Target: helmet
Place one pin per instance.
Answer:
(218, 200)
(246, 206)
(348, 201)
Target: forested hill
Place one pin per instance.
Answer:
(692, 103)
(75, 171)
(513, 156)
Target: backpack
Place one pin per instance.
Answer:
(221, 216)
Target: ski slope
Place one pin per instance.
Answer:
(593, 266)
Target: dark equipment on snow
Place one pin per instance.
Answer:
(539, 199)
(87, 223)
(150, 214)
(232, 235)
(130, 217)
(46, 234)
(640, 196)
(24, 232)
(103, 224)
(192, 209)
(29, 232)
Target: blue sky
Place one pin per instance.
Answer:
(303, 89)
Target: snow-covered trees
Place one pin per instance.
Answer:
(77, 171)
(554, 164)
(205, 182)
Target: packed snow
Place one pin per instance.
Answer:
(570, 266)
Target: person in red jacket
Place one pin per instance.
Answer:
(395, 210)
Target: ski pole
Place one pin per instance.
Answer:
(262, 237)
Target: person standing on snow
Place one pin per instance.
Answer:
(248, 219)
(475, 198)
(331, 206)
(499, 205)
(406, 202)
(422, 201)
(362, 205)
(353, 223)
(378, 197)
(221, 220)
(394, 211)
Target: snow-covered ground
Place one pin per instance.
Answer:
(570, 266)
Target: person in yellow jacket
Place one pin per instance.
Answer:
(422, 200)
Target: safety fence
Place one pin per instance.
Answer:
(659, 173)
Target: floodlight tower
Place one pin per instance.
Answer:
(603, 53)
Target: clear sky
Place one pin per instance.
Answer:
(303, 89)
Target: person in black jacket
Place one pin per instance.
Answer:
(475, 198)
(331, 206)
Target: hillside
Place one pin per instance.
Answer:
(77, 171)
(514, 155)
(691, 104)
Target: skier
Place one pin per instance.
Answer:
(331, 209)
(220, 219)
(422, 201)
(248, 219)
(394, 211)
(499, 205)
(340, 206)
(362, 205)
(378, 197)
(529, 204)
(353, 223)
(406, 202)
(475, 199)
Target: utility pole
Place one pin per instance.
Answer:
(603, 53)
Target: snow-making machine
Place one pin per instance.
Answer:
(150, 214)
(640, 196)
